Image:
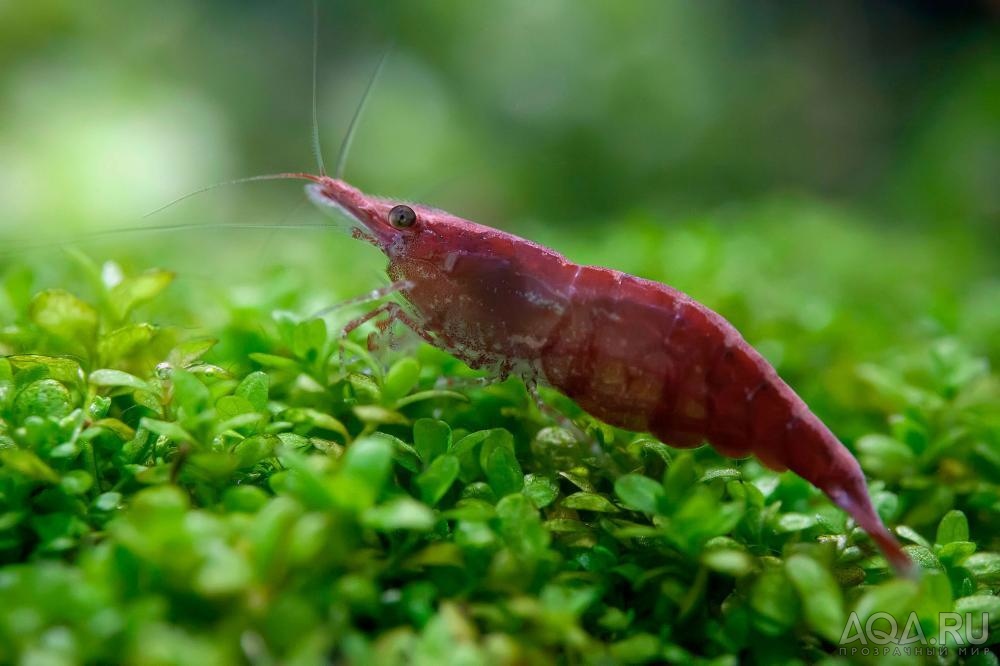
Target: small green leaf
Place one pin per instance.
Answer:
(542, 490)
(60, 368)
(479, 491)
(190, 394)
(521, 528)
(27, 464)
(43, 398)
(108, 501)
(98, 407)
(107, 377)
(134, 291)
(224, 572)
(566, 525)
(229, 406)
(497, 437)
(168, 429)
(309, 482)
(589, 502)
(254, 389)
(435, 555)
(725, 473)
(123, 341)
(403, 453)
(246, 499)
(328, 422)
(268, 535)
(254, 449)
(640, 493)
(985, 567)
(884, 456)
(471, 510)
(273, 361)
(820, 596)
(952, 553)
(62, 314)
(466, 449)
(700, 517)
(430, 394)
(638, 648)
(503, 472)
(378, 415)
(123, 430)
(76, 482)
(365, 388)
(680, 477)
(435, 481)
(728, 561)
(431, 438)
(309, 338)
(364, 471)
(657, 448)
(774, 603)
(402, 513)
(401, 378)
(911, 534)
(794, 522)
(978, 608)
(189, 352)
(579, 478)
(317, 419)
(953, 527)
(923, 557)
(895, 597)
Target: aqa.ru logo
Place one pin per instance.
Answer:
(881, 635)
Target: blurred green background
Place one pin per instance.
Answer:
(825, 175)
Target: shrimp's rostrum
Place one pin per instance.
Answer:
(632, 352)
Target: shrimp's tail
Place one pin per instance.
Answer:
(852, 497)
(814, 453)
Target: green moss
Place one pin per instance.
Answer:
(256, 489)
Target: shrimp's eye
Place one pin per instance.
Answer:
(402, 217)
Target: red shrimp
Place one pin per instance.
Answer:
(635, 353)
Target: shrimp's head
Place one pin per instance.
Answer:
(403, 231)
(365, 215)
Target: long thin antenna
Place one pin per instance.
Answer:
(345, 146)
(316, 146)
(269, 176)
(14, 247)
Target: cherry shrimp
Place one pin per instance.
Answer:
(634, 353)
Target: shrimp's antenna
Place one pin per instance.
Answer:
(345, 146)
(316, 146)
(13, 247)
(251, 179)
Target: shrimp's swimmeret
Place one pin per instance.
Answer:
(635, 353)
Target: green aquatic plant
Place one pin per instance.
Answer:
(259, 489)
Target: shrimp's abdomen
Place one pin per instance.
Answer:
(643, 356)
(646, 357)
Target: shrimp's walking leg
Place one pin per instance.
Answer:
(394, 312)
(597, 451)
(463, 382)
(372, 295)
(564, 421)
